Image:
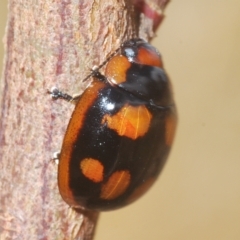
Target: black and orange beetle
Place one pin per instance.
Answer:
(120, 132)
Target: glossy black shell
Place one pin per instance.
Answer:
(88, 136)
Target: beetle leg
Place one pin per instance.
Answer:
(97, 74)
(55, 157)
(56, 94)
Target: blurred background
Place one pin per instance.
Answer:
(197, 196)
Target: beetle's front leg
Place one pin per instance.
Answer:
(57, 94)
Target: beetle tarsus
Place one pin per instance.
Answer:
(55, 157)
(56, 94)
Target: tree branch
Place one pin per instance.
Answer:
(52, 43)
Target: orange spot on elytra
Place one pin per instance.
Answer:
(129, 121)
(92, 169)
(149, 57)
(170, 127)
(116, 185)
(116, 69)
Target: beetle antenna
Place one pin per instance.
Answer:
(101, 65)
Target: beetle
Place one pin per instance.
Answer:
(120, 132)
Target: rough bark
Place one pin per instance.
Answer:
(52, 43)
